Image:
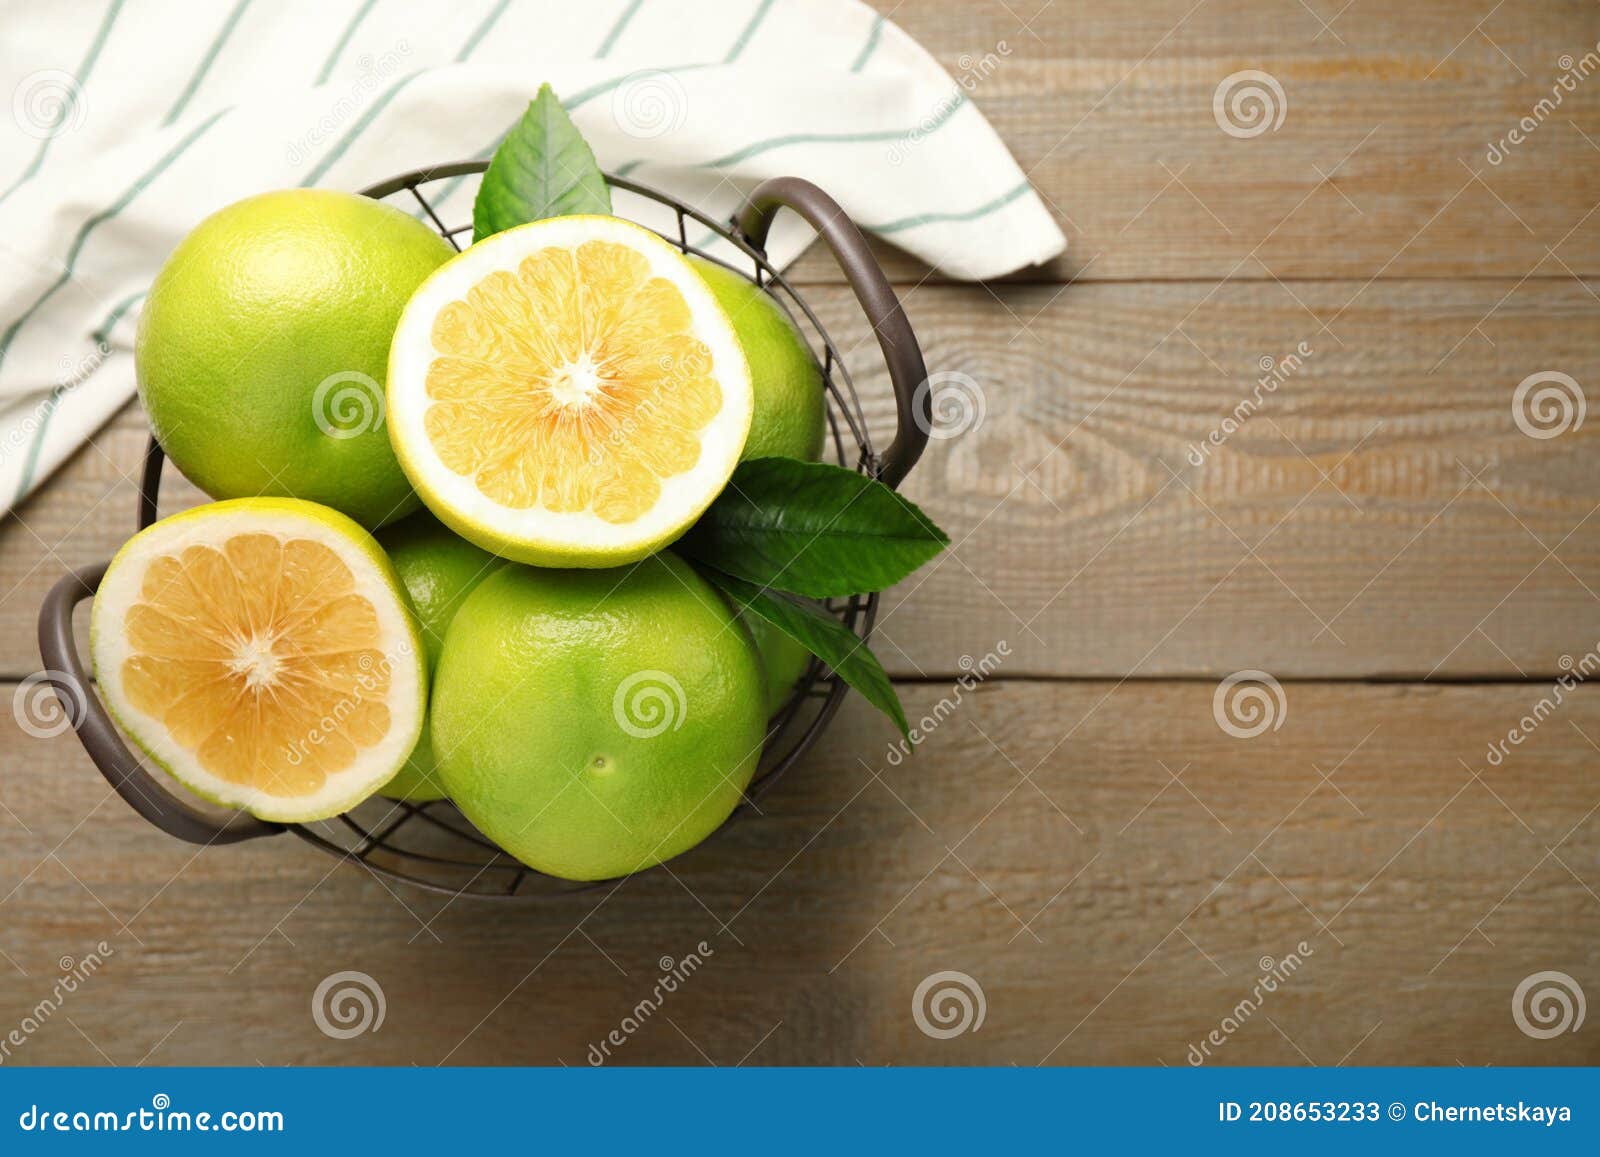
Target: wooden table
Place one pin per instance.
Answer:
(1080, 836)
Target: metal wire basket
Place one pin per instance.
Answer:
(432, 845)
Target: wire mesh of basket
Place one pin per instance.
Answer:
(432, 845)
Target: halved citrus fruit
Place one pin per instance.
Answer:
(260, 650)
(568, 393)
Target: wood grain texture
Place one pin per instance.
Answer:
(1378, 513)
(1400, 522)
(1109, 914)
(1380, 167)
(1078, 835)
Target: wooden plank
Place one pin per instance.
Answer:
(1401, 523)
(1379, 513)
(1380, 168)
(1108, 913)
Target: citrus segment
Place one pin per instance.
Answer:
(568, 393)
(259, 650)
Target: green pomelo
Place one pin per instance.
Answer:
(264, 345)
(439, 569)
(593, 723)
(790, 415)
(783, 661)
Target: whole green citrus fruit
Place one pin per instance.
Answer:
(783, 661)
(789, 421)
(593, 723)
(264, 343)
(439, 569)
(790, 415)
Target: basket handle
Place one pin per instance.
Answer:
(907, 372)
(122, 769)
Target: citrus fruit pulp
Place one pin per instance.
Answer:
(439, 569)
(568, 393)
(593, 723)
(790, 414)
(264, 342)
(261, 652)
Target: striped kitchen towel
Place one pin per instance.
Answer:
(133, 119)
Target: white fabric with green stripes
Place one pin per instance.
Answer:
(133, 119)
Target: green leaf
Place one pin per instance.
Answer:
(812, 529)
(544, 168)
(821, 634)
